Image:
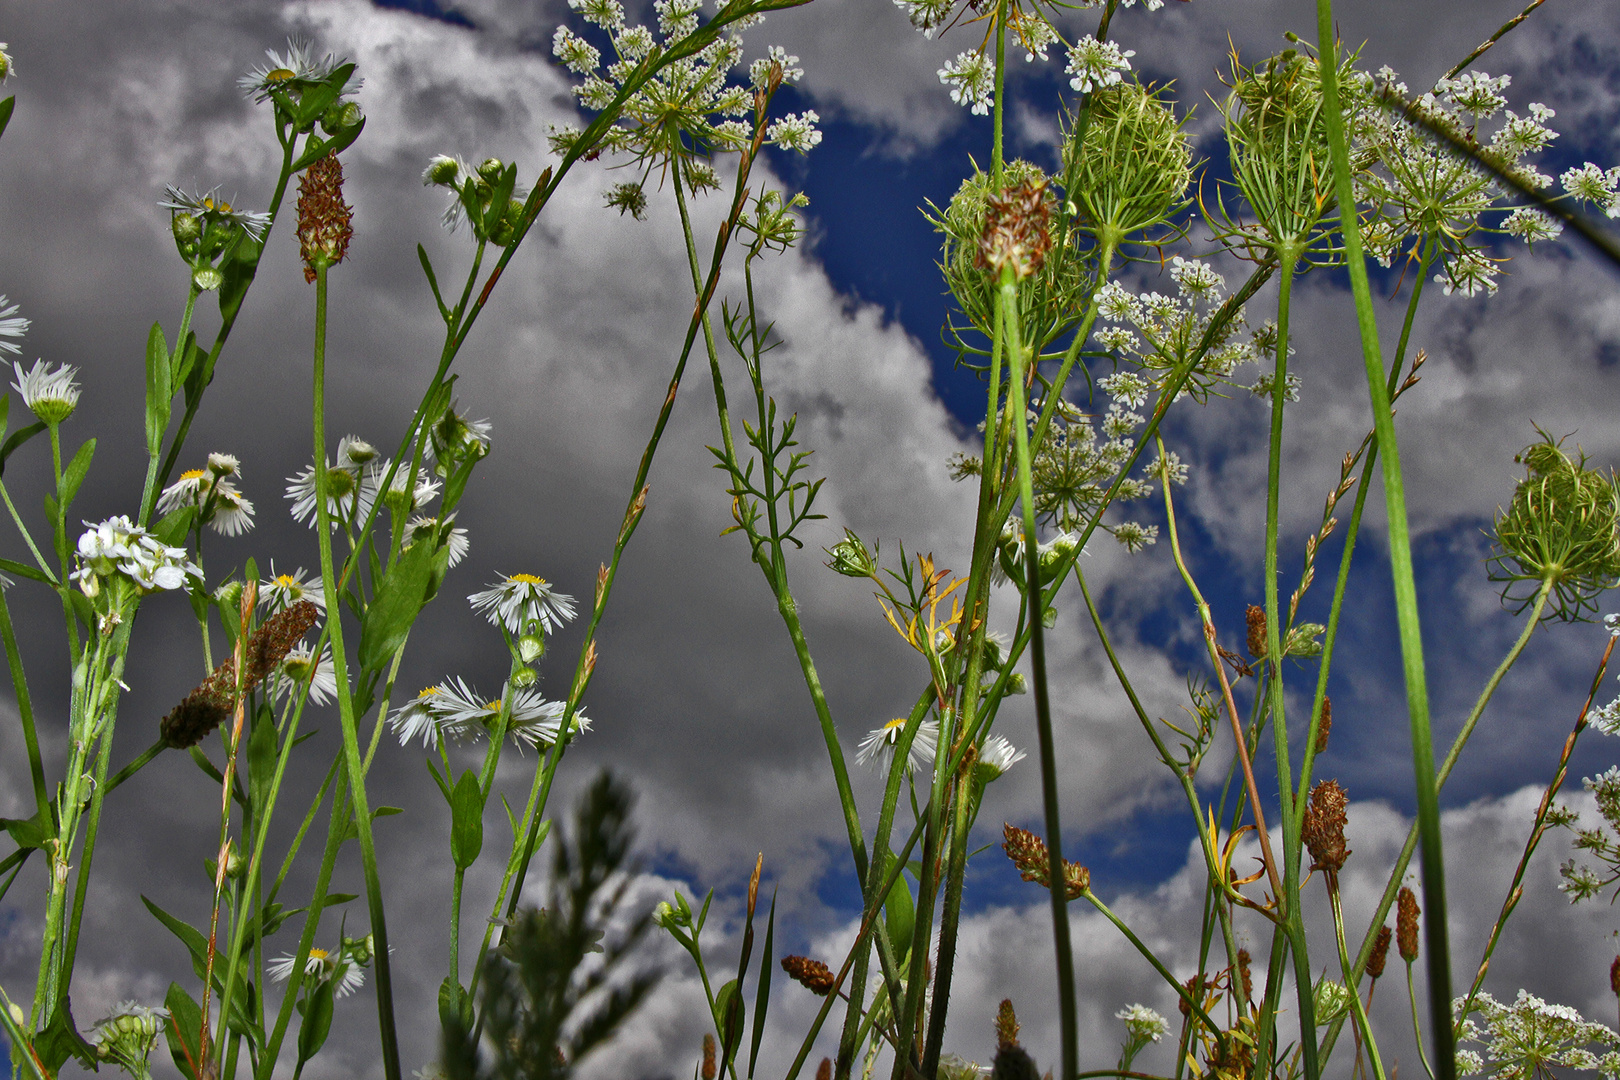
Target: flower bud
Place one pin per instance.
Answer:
(850, 557)
(664, 915)
(524, 677)
(490, 169)
(187, 228)
(206, 279)
(6, 70)
(531, 647)
(1332, 1001)
(341, 116)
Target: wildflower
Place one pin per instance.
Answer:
(1032, 857)
(813, 975)
(851, 558)
(1267, 382)
(1591, 184)
(50, 395)
(300, 666)
(322, 966)
(997, 755)
(927, 15)
(1474, 92)
(795, 131)
(1332, 1001)
(129, 1034)
(1096, 64)
(1135, 536)
(407, 493)
(421, 716)
(972, 79)
(455, 437)
(352, 484)
(457, 542)
(1530, 1038)
(1143, 1023)
(209, 209)
(1006, 1025)
(1017, 229)
(282, 591)
(217, 501)
(759, 71)
(323, 217)
(119, 546)
(8, 67)
(519, 600)
(1606, 718)
(296, 69)
(877, 749)
(1611, 623)
(12, 325)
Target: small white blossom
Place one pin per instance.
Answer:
(1134, 536)
(322, 966)
(12, 325)
(795, 131)
(1475, 92)
(50, 395)
(119, 546)
(300, 665)
(1143, 1023)
(1531, 224)
(759, 72)
(972, 79)
(998, 755)
(877, 749)
(282, 591)
(1264, 385)
(1127, 387)
(926, 15)
(1096, 64)
(576, 54)
(1196, 279)
(212, 208)
(520, 600)
(1591, 184)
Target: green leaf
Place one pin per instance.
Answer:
(16, 1036)
(17, 439)
(185, 362)
(29, 832)
(899, 913)
(455, 1006)
(12, 566)
(173, 526)
(317, 99)
(191, 938)
(263, 749)
(333, 899)
(73, 475)
(317, 1022)
(729, 1013)
(158, 384)
(466, 820)
(394, 607)
(762, 996)
(61, 1040)
(5, 112)
(238, 266)
(386, 811)
(433, 281)
(183, 1030)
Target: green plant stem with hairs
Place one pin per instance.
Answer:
(1400, 554)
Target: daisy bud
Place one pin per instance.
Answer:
(187, 228)
(323, 217)
(441, 170)
(489, 170)
(206, 279)
(340, 117)
(1406, 924)
(531, 647)
(524, 677)
(17, 1015)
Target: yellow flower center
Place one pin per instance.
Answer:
(897, 722)
(220, 206)
(287, 581)
(526, 579)
(431, 691)
(494, 707)
(193, 474)
(280, 75)
(318, 953)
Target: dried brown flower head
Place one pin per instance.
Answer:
(1017, 229)
(1029, 853)
(1324, 725)
(1244, 978)
(1007, 1024)
(1380, 952)
(1406, 924)
(1323, 827)
(824, 1070)
(813, 975)
(1256, 618)
(323, 216)
(198, 713)
(1614, 976)
(211, 702)
(708, 1072)
(1014, 1063)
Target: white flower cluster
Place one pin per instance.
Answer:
(354, 483)
(1171, 328)
(1530, 1037)
(692, 94)
(1096, 64)
(213, 494)
(1143, 1023)
(119, 546)
(972, 79)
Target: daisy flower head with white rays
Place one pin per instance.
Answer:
(299, 665)
(322, 966)
(12, 325)
(534, 720)
(521, 599)
(51, 395)
(352, 482)
(456, 436)
(218, 502)
(282, 591)
(997, 755)
(214, 210)
(296, 69)
(428, 526)
(877, 749)
(423, 717)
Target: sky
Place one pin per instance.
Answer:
(697, 699)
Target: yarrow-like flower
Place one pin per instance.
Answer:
(972, 79)
(12, 325)
(1143, 1023)
(1096, 64)
(520, 600)
(877, 749)
(1529, 1038)
(51, 395)
(119, 546)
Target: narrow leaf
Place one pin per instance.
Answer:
(762, 995)
(467, 820)
(394, 607)
(158, 384)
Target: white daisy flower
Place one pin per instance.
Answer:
(459, 543)
(297, 667)
(224, 465)
(455, 436)
(877, 749)
(282, 591)
(521, 599)
(212, 209)
(404, 495)
(50, 395)
(219, 504)
(322, 966)
(12, 325)
(352, 483)
(421, 717)
(298, 64)
(999, 755)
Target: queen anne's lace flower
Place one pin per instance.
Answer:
(795, 131)
(1096, 64)
(1529, 1038)
(1591, 184)
(972, 79)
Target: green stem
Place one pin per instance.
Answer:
(351, 744)
(1362, 1023)
(25, 711)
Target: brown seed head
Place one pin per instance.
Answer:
(1244, 978)
(1324, 725)
(1007, 1025)
(824, 1070)
(210, 703)
(1029, 853)
(1017, 229)
(1380, 952)
(1195, 990)
(813, 975)
(198, 713)
(1614, 976)
(708, 1057)
(1256, 618)
(1014, 1063)
(323, 216)
(1406, 926)
(1323, 827)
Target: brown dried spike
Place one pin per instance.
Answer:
(271, 643)
(1380, 953)
(1614, 976)
(323, 217)
(1029, 853)
(1244, 977)
(708, 1072)
(1323, 827)
(813, 975)
(1017, 229)
(1007, 1024)
(1406, 924)
(200, 712)
(1256, 618)
(1324, 725)
(824, 1070)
